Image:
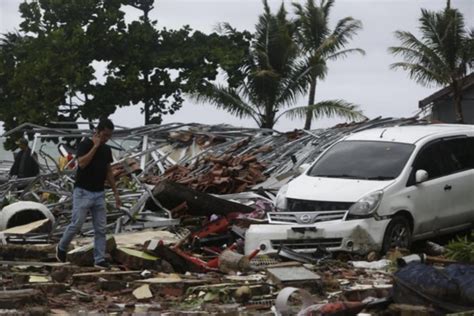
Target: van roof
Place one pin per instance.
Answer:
(408, 134)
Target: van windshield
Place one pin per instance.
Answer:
(367, 160)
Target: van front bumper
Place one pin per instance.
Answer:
(357, 236)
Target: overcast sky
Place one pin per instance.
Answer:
(363, 80)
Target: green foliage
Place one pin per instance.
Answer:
(47, 70)
(442, 56)
(461, 248)
(319, 44)
(52, 76)
(328, 108)
(274, 74)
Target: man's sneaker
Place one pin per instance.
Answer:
(102, 265)
(60, 254)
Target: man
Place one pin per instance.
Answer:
(25, 165)
(94, 158)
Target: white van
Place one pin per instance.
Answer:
(376, 189)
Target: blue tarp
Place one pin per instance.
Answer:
(449, 289)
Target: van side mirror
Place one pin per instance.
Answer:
(421, 176)
(303, 167)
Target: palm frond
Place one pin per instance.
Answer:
(414, 51)
(295, 85)
(428, 28)
(441, 55)
(329, 108)
(312, 25)
(421, 74)
(247, 91)
(315, 37)
(227, 99)
(225, 28)
(8, 41)
(344, 53)
(346, 28)
(326, 6)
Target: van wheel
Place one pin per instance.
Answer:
(397, 234)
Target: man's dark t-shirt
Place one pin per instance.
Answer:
(92, 177)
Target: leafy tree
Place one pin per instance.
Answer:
(9, 55)
(319, 45)
(274, 77)
(53, 76)
(155, 67)
(49, 75)
(442, 56)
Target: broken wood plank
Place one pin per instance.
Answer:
(37, 252)
(135, 259)
(163, 278)
(143, 292)
(137, 238)
(171, 195)
(50, 288)
(109, 275)
(43, 226)
(39, 279)
(106, 273)
(84, 256)
(16, 299)
(112, 285)
(33, 263)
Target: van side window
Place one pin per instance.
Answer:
(429, 159)
(458, 154)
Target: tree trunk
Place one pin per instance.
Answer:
(269, 119)
(172, 194)
(267, 123)
(147, 106)
(91, 125)
(457, 96)
(147, 113)
(312, 97)
(146, 7)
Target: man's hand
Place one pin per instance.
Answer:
(96, 140)
(118, 202)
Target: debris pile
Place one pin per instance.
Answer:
(189, 193)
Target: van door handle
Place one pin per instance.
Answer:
(447, 187)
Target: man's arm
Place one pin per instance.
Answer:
(111, 181)
(86, 159)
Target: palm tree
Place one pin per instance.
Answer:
(274, 77)
(444, 54)
(320, 45)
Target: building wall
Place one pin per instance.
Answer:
(443, 110)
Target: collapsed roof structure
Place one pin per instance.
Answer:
(189, 192)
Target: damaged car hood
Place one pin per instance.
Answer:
(332, 189)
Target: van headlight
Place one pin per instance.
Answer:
(366, 205)
(280, 200)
